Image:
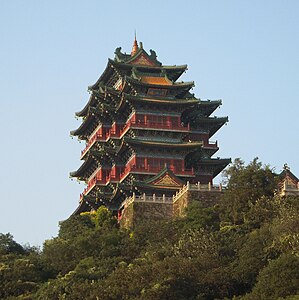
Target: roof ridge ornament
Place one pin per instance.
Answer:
(153, 55)
(135, 47)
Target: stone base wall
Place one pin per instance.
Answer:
(127, 216)
(206, 198)
(179, 206)
(138, 212)
(150, 211)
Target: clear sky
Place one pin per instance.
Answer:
(243, 52)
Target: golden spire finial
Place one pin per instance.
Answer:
(135, 46)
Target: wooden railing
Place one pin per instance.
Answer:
(90, 185)
(119, 133)
(98, 178)
(153, 169)
(91, 141)
(158, 125)
(152, 125)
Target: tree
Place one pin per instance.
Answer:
(9, 246)
(75, 226)
(251, 257)
(279, 279)
(220, 252)
(245, 185)
(104, 219)
(198, 216)
(264, 210)
(285, 227)
(21, 270)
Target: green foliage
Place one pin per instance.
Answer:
(244, 248)
(245, 185)
(59, 255)
(279, 279)
(285, 227)
(20, 269)
(202, 217)
(103, 218)
(264, 210)
(80, 237)
(9, 246)
(75, 226)
(251, 257)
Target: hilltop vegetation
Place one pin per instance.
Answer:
(245, 248)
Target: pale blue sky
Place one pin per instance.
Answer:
(243, 52)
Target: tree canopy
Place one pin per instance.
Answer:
(245, 248)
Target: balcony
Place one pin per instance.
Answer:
(98, 136)
(153, 125)
(116, 132)
(115, 176)
(154, 170)
(97, 179)
(159, 126)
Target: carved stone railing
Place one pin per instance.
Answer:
(187, 187)
(196, 187)
(147, 198)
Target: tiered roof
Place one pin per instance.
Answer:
(138, 119)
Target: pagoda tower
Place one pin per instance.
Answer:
(145, 132)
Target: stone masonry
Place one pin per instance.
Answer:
(144, 208)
